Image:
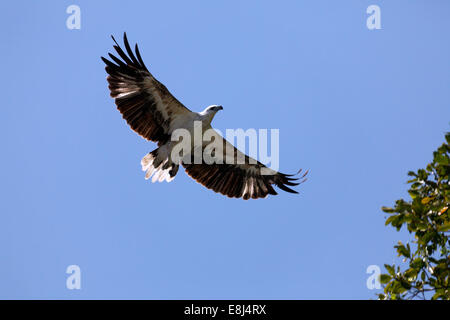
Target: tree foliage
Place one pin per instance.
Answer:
(427, 257)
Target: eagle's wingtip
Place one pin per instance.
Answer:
(114, 39)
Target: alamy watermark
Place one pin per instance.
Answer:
(74, 20)
(373, 281)
(74, 280)
(374, 20)
(208, 146)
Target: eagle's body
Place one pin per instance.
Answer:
(152, 112)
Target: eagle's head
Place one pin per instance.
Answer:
(209, 113)
(213, 109)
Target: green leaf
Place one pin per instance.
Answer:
(405, 284)
(422, 226)
(417, 263)
(415, 185)
(423, 175)
(387, 209)
(390, 219)
(411, 274)
(439, 293)
(412, 174)
(441, 159)
(402, 250)
(427, 237)
(413, 193)
(385, 278)
(444, 227)
(390, 269)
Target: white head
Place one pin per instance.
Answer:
(210, 111)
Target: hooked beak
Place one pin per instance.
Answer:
(220, 108)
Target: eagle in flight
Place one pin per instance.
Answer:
(155, 114)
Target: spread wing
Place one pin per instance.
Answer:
(145, 103)
(251, 179)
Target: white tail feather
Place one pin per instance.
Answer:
(158, 174)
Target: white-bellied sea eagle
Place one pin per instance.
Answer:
(155, 114)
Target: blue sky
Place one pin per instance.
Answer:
(357, 107)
